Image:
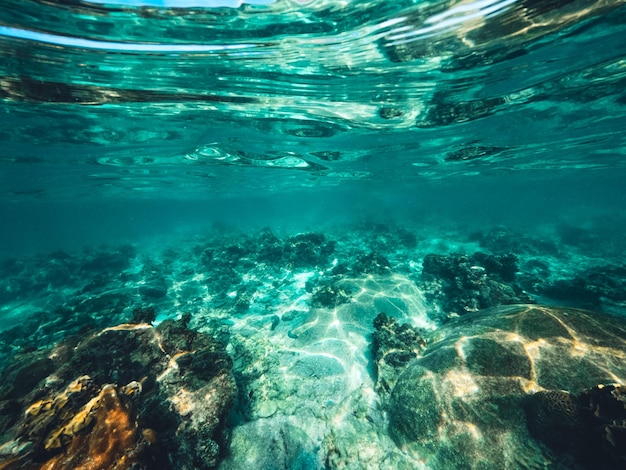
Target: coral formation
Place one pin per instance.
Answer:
(393, 346)
(73, 413)
(553, 417)
(590, 427)
(462, 283)
(102, 433)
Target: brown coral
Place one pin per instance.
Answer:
(172, 412)
(83, 430)
(51, 422)
(553, 417)
(113, 442)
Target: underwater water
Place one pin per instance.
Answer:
(312, 234)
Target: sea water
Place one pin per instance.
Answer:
(279, 170)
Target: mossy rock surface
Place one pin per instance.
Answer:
(461, 404)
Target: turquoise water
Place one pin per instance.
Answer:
(283, 171)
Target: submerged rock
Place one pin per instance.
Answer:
(461, 404)
(371, 263)
(130, 396)
(501, 239)
(301, 250)
(394, 345)
(329, 292)
(592, 288)
(467, 283)
(273, 444)
(23, 373)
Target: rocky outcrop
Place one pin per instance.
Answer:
(394, 345)
(131, 396)
(462, 283)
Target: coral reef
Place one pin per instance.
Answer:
(89, 349)
(328, 292)
(67, 431)
(371, 263)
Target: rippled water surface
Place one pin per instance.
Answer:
(115, 98)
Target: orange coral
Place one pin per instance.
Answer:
(112, 442)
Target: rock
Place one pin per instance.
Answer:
(75, 413)
(502, 240)
(467, 283)
(108, 260)
(143, 315)
(328, 293)
(591, 288)
(461, 404)
(24, 372)
(393, 346)
(290, 315)
(301, 250)
(9, 414)
(308, 250)
(371, 263)
(272, 443)
(153, 291)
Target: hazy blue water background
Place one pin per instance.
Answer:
(472, 204)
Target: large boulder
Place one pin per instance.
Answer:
(461, 405)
